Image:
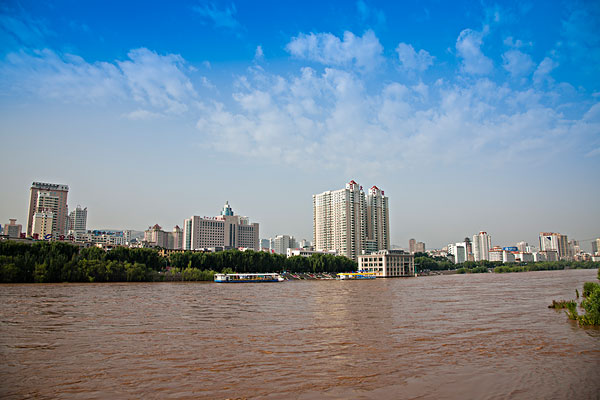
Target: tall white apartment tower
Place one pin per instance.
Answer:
(482, 242)
(378, 219)
(349, 222)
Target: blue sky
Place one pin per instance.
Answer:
(471, 116)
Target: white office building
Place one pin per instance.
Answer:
(226, 230)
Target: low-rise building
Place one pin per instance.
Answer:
(308, 253)
(12, 229)
(388, 263)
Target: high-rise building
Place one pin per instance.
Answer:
(78, 220)
(420, 247)
(350, 222)
(522, 246)
(226, 230)
(12, 229)
(48, 198)
(281, 243)
(458, 251)
(378, 219)
(482, 243)
(596, 246)
(176, 238)
(411, 245)
(557, 242)
(469, 249)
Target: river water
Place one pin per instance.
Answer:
(480, 336)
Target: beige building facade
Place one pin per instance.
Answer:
(226, 230)
(388, 263)
(45, 198)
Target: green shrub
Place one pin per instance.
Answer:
(591, 305)
(589, 287)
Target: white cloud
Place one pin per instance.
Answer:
(141, 114)
(318, 120)
(258, 54)
(474, 61)
(153, 80)
(158, 80)
(542, 72)
(62, 77)
(412, 60)
(363, 52)
(517, 63)
(517, 44)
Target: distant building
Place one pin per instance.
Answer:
(12, 229)
(555, 242)
(265, 244)
(522, 246)
(458, 252)
(523, 257)
(156, 237)
(495, 254)
(482, 242)
(388, 263)
(308, 253)
(226, 230)
(420, 247)
(78, 220)
(596, 246)
(305, 244)
(43, 224)
(545, 255)
(281, 243)
(351, 222)
(411, 246)
(469, 249)
(50, 200)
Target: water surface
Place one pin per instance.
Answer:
(484, 336)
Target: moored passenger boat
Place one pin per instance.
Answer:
(240, 278)
(356, 275)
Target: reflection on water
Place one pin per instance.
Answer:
(461, 336)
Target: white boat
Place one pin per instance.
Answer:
(240, 278)
(356, 275)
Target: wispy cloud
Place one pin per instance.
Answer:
(158, 80)
(474, 61)
(151, 79)
(219, 18)
(363, 52)
(542, 72)
(17, 31)
(369, 15)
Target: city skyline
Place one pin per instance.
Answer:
(471, 117)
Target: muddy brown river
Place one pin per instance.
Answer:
(480, 336)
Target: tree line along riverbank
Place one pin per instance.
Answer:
(45, 262)
(424, 264)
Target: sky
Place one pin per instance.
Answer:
(469, 115)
